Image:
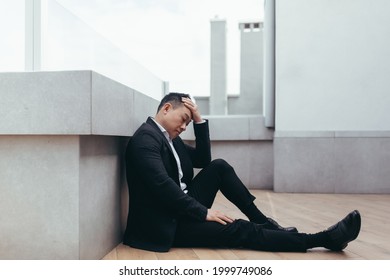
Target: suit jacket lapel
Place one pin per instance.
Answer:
(154, 125)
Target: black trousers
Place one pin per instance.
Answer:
(219, 175)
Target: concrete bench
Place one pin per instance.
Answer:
(62, 136)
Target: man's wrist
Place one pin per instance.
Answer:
(199, 121)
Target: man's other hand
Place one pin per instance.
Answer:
(217, 216)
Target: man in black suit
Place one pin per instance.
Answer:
(169, 207)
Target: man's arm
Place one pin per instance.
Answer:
(201, 155)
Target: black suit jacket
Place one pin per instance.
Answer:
(156, 200)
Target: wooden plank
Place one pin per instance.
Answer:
(178, 254)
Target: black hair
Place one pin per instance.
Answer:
(175, 98)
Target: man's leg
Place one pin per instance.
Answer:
(219, 175)
(239, 234)
(249, 235)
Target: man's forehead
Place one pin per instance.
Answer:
(187, 112)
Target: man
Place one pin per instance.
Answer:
(169, 208)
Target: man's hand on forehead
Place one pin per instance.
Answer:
(191, 105)
(189, 99)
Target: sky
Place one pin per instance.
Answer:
(171, 38)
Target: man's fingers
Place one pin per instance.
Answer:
(227, 219)
(224, 220)
(189, 104)
(219, 217)
(221, 221)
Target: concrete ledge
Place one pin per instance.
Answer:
(234, 127)
(332, 134)
(45, 103)
(362, 134)
(62, 183)
(304, 134)
(69, 103)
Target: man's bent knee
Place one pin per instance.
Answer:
(220, 163)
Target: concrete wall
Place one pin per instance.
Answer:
(332, 101)
(332, 162)
(60, 196)
(101, 184)
(39, 206)
(252, 161)
(62, 183)
(332, 65)
(246, 144)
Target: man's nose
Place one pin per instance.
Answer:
(183, 126)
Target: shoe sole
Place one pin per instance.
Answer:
(359, 220)
(359, 224)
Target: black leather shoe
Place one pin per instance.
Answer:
(272, 224)
(344, 231)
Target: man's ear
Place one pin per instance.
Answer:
(166, 107)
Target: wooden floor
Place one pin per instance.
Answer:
(310, 213)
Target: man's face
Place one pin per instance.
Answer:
(176, 120)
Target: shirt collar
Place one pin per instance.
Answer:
(163, 130)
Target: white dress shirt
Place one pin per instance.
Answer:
(183, 186)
